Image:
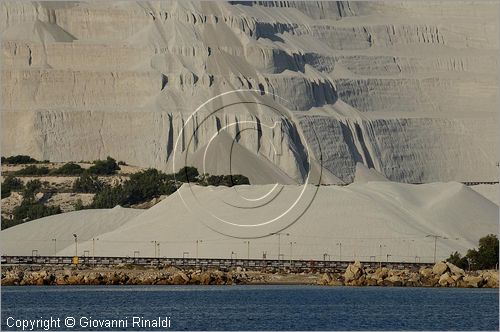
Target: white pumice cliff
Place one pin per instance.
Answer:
(408, 88)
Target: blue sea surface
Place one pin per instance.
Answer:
(265, 307)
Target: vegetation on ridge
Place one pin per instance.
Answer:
(140, 187)
(485, 257)
(19, 159)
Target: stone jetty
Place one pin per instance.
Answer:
(442, 274)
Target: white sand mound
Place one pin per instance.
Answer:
(38, 234)
(370, 220)
(223, 155)
(327, 177)
(490, 191)
(364, 174)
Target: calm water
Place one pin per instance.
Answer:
(260, 307)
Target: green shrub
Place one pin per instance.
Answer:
(104, 167)
(79, 205)
(168, 188)
(151, 183)
(486, 256)
(236, 180)
(144, 186)
(33, 170)
(226, 180)
(10, 183)
(187, 174)
(31, 189)
(68, 169)
(88, 183)
(19, 159)
(457, 260)
(109, 197)
(6, 223)
(30, 211)
(141, 187)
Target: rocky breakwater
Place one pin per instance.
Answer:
(442, 274)
(20, 276)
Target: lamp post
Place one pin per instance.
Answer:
(76, 244)
(197, 244)
(93, 247)
(356, 244)
(55, 246)
(339, 244)
(279, 242)
(409, 243)
(248, 248)
(158, 245)
(435, 242)
(291, 252)
(380, 256)
(154, 245)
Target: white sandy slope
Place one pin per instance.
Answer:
(361, 216)
(490, 191)
(364, 174)
(38, 234)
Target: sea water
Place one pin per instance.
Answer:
(247, 307)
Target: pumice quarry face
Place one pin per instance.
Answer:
(407, 88)
(361, 126)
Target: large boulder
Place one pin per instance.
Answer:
(325, 279)
(412, 280)
(473, 281)
(195, 278)
(335, 282)
(426, 272)
(393, 280)
(372, 280)
(219, 278)
(429, 281)
(205, 278)
(74, 279)
(61, 280)
(353, 272)
(381, 273)
(440, 268)
(446, 280)
(455, 269)
(10, 281)
(359, 282)
(491, 279)
(180, 278)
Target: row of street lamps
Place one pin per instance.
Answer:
(279, 234)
